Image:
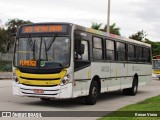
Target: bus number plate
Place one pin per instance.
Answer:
(38, 91)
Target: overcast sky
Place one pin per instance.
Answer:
(129, 15)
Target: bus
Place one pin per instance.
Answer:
(156, 66)
(65, 60)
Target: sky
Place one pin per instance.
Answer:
(129, 15)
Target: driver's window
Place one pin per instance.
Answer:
(84, 56)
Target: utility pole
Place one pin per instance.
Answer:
(108, 17)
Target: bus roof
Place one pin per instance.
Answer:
(113, 36)
(90, 30)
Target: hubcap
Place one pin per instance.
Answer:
(135, 88)
(94, 92)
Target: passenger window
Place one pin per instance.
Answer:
(131, 53)
(97, 48)
(110, 53)
(139, 54)
(146, 55)
(121, 51)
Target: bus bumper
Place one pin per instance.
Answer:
(155, 75)
(57, 92)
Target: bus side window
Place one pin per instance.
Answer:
(81, 55)
(131, 53)
(97, 48)
(85, 56)
(139, 54)
(81, 50)
(146, 55)
(110, 50)
(121, 51)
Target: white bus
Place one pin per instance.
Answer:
(64, 60)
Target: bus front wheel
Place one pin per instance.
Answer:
(91, 99)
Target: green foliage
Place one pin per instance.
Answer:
(3, 39)
(155, 47)
(139, 36)
(5, 66)
(113, 29)
(13, 24)
(11, 28)
(96, 26)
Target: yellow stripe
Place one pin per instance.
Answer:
(156, 71)
(41, 76)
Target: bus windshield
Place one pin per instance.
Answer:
(156, 64)
(46, 52)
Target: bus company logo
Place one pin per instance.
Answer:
(6, 114)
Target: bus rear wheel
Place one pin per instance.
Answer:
(91, 99)
(133, 90)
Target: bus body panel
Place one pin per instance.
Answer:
(81, 79)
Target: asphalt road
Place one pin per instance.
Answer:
(109, 101)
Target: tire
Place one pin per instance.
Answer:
(91, 99)
(133, 90)
(45, 99)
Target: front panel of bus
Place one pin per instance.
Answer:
(156, 68)
(42, 61)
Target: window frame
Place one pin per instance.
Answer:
(113, 50)
(124, 52)
(102, 48)
(138, 54)
(133, 53)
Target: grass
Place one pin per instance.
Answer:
(150, 105)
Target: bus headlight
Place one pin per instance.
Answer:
(65, 80)
(15, 78)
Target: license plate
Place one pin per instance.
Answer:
(38, 91)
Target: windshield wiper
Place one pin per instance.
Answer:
(31, 44)
(50, 44)
(59, 64)
(45, 49)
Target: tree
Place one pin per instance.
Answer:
(13, 24)
(96, 26)
(155, 47)
(113, 29)
(139, 36)
(3, 39)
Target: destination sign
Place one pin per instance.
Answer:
(44, 29)
(30, 63)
